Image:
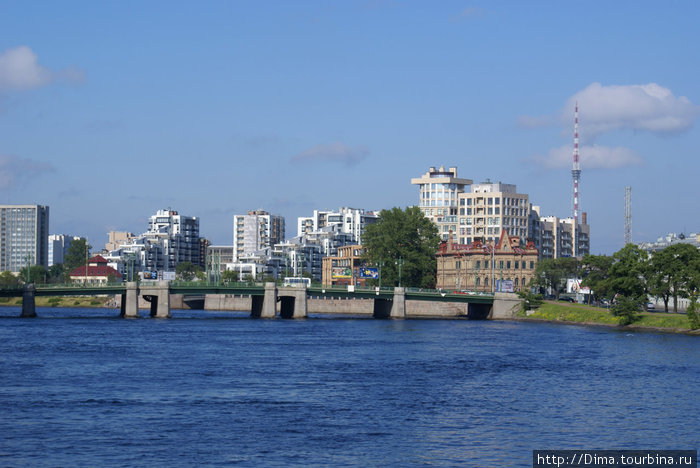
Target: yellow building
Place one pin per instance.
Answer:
(479, 267)
(347, 268)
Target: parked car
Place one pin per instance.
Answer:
(566, 299)
(651, 306)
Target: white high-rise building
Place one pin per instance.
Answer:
(171, 238)
(256, 231)
(439, 192)
(345, 220)
(24, 235)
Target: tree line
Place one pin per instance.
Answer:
(629, 276)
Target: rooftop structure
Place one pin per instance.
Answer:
(439, 190)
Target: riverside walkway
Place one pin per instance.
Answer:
(269, 300)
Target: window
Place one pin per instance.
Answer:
(478, 264)
(517, 264)
(458, 264)
(508, 264)
(532, 265)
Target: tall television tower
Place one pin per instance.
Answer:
(576, 175)
(576, 169)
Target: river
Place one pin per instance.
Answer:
(82, 387)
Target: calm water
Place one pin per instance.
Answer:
(79, 387)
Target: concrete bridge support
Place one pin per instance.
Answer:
(159, 297)
(398, 306)
(505, 306)
(28, 304)
(130, 301)
(269, 305)
(293, 303)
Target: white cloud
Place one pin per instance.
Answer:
(335, 152)
(466, 13)
(13, 168)
(590, 157)
(20, 69)
(648, 107)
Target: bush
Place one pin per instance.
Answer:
(54, 300)
(95, 302)
(693, 315)
(76, 303)
(627, 310)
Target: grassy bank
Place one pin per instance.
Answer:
(72, 301)
(580, 313)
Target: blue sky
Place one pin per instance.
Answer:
(110, 111)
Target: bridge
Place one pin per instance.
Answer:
(269, 300)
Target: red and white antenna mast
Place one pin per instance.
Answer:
(576, 169)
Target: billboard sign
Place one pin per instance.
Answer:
(573, 286)
(371, 273)
(341, 272)
(505, 286)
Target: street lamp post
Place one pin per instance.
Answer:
(399, 262)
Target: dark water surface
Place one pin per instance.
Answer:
(80, 387)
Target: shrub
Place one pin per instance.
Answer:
(626, 310)
(693, 315)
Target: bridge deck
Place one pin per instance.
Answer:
(248, 289)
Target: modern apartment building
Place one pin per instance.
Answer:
(256, 231)
(490, 208)
(560, 237)
(58, 247)
(171, 238)
(345, 220)
(439, 190)
(670, 239)
(24, 235)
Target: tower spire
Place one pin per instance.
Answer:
(576, 169)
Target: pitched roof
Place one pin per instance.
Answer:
(93, 271)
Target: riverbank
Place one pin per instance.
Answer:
(72, 301)
(581, 314)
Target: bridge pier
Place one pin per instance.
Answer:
(398, 306)
(293, 303)
(505, 306)
(159, 297)
(130, 301)
(269, 303)
(28, 303)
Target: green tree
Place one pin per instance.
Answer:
(77, 255)
(35, 274)
(405, 240)
(551, 273)
(670, 272)
(8, 280)
(187, 271)
(594, 273)
(628, 273)
(56, 273)
(229, 276)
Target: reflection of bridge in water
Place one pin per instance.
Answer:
(270, 300)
